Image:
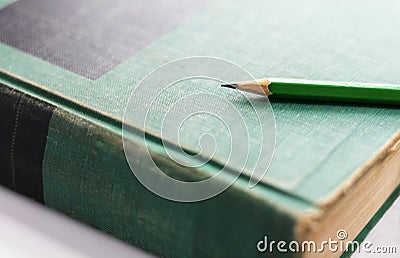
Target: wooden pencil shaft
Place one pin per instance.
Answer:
(327, 91)
(259, 87)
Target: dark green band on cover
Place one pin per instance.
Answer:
(23, 133)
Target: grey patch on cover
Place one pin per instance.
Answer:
(90, 37)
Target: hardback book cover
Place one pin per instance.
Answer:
(70, 69)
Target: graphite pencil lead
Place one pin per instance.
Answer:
(231, 85)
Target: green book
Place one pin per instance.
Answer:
(70, 69)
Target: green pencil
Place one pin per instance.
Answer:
(322, 90)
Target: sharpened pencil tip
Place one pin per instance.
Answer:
(231, 85)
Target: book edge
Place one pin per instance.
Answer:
(365, 183)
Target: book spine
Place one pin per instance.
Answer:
(23, 134)
(84, 174)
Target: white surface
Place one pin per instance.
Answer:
(28, 229)
(385, 233)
